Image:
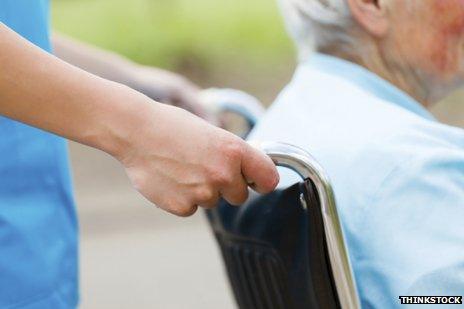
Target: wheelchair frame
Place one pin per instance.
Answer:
(307, 167)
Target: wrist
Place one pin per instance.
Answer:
(123, 121)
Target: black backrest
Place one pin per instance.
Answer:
(275, 251)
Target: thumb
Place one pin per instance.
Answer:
(259, 170)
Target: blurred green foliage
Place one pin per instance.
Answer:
(180, 34)
(232, 43)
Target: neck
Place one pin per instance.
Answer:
(372, 58)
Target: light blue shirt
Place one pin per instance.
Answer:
(397, 173)
(38, 226)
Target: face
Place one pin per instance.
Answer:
(428, 35)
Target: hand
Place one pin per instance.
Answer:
(171, 88)
(180, 162)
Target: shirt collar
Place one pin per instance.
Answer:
(368, 81)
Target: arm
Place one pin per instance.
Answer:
(158, 84)
(174, 159)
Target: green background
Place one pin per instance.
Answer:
(224, 43)
(236, 43)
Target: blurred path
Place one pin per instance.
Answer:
(134, 255)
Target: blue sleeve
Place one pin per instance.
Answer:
(413, 232)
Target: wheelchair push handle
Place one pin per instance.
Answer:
(218, 101)
(307, 167)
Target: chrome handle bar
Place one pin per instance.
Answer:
(307, 167)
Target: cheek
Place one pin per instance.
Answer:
(446, 43)
(449, 16)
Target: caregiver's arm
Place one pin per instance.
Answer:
(173, 158)
(158, 84)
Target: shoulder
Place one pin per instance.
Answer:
(352, 132)
(415, 157)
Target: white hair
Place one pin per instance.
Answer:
(315, 24)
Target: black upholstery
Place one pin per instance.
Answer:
(275, 251)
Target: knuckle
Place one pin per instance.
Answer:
(223, 173)
(183, 211)
(220, 176)
(168, 205)
(205, 195)
(224, 178)
(233, 149)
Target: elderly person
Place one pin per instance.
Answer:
(358, 102)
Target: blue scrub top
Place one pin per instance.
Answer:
(38, 228)
(397, 174)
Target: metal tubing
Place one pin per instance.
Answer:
(306, 166)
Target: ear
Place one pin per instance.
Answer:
(371, 15)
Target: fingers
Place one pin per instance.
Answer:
(208, 198)
(256, 167)
(237, 192)
(259, 170)
(185, 211)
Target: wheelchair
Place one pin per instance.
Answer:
(286, 249)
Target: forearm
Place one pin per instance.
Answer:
(39, 89)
